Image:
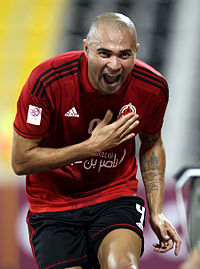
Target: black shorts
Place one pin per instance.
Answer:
(72, 238)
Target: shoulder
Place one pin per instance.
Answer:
(58, 62)
(53, 71)
(149, 79)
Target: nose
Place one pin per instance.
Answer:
(114, 63)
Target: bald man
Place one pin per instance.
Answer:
(74, 139)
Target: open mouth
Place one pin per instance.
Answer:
(111, 79)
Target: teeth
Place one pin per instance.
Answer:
(110, 79)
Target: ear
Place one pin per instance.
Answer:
(85, 46)
(137, 47)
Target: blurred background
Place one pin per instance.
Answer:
(34, 30)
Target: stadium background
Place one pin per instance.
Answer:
(169, 36)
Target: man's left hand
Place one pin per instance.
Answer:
(166, 233)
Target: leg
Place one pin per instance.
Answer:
(120, 249)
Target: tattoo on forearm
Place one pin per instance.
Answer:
(150, 164)
(151, 182)
(151, 172)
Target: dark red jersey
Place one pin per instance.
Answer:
(59, 105)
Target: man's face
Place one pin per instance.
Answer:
(111, 56)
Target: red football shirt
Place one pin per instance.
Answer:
(59, 105)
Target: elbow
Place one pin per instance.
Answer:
(18, 169)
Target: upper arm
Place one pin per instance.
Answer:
(20, 148)
(150, 140)
(155, 118)
(34, 113)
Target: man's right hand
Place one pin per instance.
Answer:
(106, 136)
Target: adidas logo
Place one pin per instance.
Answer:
(72, 113)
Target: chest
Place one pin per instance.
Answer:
(77, 113)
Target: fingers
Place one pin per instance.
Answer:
(170, 238)
(107, 118)
(177, 248)
(125, 125)
(175, 237)
(172, 234)
(125, 120)
(163, 246)
(129, 125)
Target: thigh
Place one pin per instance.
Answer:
(126, 216)
(120, 249)
(56, 242)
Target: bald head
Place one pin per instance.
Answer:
(115, 20)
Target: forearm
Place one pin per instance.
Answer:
(41, 159)
(152, 163)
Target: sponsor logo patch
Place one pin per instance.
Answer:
(34, 115)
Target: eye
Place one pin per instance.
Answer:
(125, 55)
(104, 54)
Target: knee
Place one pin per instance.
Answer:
(120, 261)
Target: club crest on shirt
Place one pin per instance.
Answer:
(126, 109)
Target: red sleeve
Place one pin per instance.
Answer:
(33, 112)
(154, 122)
